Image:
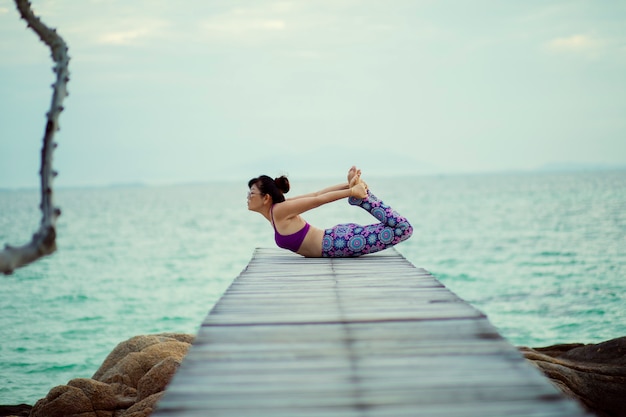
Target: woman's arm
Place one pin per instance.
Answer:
(295, 206)
(326, 190)
(353, 175)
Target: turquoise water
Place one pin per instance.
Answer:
(543, 255)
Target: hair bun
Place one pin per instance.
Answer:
(282, 183)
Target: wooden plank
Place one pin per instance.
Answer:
(372, 336)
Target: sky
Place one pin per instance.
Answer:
(166, 92)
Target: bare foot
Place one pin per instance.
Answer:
(352, 172)
(354, 177)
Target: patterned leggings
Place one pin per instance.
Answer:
(351, 240)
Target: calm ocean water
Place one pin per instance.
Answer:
(543, 255)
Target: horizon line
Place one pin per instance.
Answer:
(548, 169)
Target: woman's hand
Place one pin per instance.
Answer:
(359, 190)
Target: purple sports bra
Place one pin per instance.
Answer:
(292, 241)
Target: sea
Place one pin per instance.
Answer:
(543, 255)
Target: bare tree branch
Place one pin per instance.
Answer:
(44, 240)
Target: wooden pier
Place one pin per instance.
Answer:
(372, 336)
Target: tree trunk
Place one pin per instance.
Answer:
(44, 240)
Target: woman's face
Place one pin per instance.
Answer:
(255, 198)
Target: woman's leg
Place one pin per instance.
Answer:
(348, 240)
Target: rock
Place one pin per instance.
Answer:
(132, 377)
(594, 374)
(155, 380)
(64, 400)
(131, 368)
(137, 344)
(21, 410)
(143, 408)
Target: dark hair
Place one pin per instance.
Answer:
(274, 187)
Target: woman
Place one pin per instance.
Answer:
(291, 231)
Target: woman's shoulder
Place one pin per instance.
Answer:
(285, 210)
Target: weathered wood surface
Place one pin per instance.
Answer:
(372, 336)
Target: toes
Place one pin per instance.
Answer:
(355, 180)
(351, 172)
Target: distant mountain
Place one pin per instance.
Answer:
(335, 162)
(579, 166)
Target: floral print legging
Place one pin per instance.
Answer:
(350, 239)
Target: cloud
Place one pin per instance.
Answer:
(134, 32)
(575, 43)
(122, 38)
(307, 54)
(236, 26)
